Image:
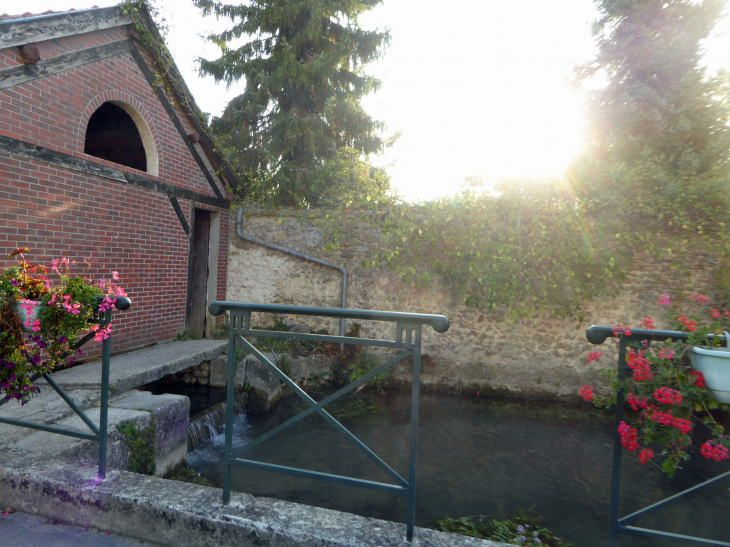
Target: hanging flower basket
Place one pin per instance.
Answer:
(673, 380)
(43, 313)
(714, 364)
(29, 313)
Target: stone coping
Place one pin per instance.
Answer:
(178, 514)
(140, 367)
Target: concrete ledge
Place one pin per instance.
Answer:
(178, 514)
(137, 368)
(171, 414)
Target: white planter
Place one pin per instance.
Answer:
(714, 364)
(27, 317)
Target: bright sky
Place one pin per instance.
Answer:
(478, 87)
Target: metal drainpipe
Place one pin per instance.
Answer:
(292, 252)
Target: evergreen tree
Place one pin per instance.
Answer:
(658, 139)
(298, 130)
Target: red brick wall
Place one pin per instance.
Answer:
(58, 212)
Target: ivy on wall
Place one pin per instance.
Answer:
(528, 247)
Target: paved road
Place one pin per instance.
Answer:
(22, 530)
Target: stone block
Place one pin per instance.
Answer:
(171, 414)
(307, 367)
(219, 372)
(266, 388)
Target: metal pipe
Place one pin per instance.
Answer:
(292, 252)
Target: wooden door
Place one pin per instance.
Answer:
(197, 297)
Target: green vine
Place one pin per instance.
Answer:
(141, 445)
(531, 248)
(151, 30)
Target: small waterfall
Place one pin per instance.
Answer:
(212, 421)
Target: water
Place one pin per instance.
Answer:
(476, 457)
(210, 424)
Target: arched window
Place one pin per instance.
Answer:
(116, 132)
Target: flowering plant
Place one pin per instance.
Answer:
(58, 308)
(667, 396)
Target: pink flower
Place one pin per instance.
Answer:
(101, 333)
(115, 276)
(628, 437)
(645, 455)
(700, 298)
(594, 355)
(648, 323)
(699, 378)
(664, 418)
(684, 426)
(687, 322)
(640, 365)
(587, 393)
(664, 299)
(637, 403)
(714, 452)
(668, 396)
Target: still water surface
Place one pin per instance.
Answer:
(476, 457)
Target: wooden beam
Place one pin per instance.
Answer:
(66, 161)
(180, 215)
(16, 32)
(176, 121)
(46, 155)
(21, 74)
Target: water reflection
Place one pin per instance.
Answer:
(488, 457)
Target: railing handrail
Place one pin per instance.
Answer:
(598, 334)
(121, 302)
(440, 323)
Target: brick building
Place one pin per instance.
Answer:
(98, 160)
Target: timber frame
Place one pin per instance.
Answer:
(25, 32)
(67, 161)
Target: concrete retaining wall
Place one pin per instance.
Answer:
(177, 514)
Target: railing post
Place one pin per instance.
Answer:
(230, 392)
(415, 392)
(106, 351)
(617, 451)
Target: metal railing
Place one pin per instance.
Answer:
(597, 335)
(407, 338)
(98, 434)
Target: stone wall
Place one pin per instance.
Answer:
(546, 357)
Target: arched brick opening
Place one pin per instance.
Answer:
(117, 132)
